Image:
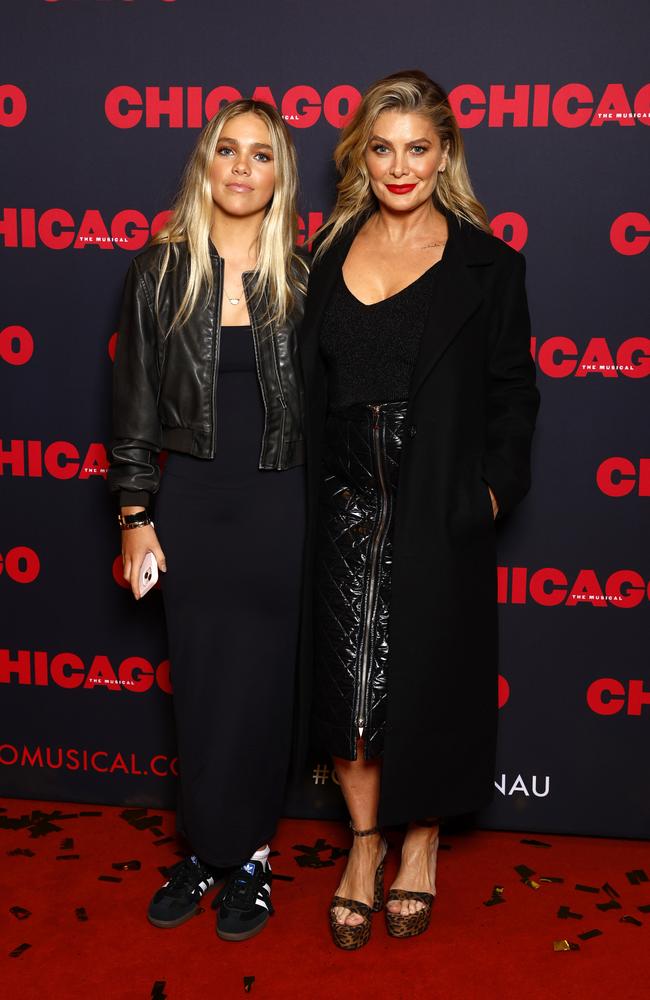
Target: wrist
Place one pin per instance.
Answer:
(139, 519)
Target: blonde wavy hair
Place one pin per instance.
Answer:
(280, 272)
(408, 91)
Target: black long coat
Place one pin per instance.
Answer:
(472, 410)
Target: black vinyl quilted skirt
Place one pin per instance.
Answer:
(361, 458)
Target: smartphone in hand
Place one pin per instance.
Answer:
(148, 574)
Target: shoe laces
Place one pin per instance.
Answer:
(185, 875)
(242, 888)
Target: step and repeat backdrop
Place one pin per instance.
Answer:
(100, 104)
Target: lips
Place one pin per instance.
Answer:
(400, 188)
(239, 188)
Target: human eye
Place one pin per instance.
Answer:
(263, 157)
(419, 150)
(224, 150)
(378, 147)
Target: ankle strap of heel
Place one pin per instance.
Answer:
(364, 833)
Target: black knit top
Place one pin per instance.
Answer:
(370, 350)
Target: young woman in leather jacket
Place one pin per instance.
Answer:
(206, 368)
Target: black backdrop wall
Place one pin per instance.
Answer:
(100, 102)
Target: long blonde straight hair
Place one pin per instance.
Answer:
(408, 91)
(280, 272)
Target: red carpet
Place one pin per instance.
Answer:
(90, 938)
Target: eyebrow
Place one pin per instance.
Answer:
(387, 142)
(235, 142)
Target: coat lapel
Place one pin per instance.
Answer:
(457, 294)
(321, 283)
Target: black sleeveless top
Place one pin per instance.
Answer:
(370, 350)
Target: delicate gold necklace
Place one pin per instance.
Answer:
(233, 301)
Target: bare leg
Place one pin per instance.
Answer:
(417, 872)
(360, 785)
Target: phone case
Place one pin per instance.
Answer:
(148, 573)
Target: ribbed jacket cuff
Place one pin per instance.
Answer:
(134, 498)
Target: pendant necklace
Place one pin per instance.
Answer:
(233, 301)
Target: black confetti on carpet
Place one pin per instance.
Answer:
(555, 879)
(157, 832)
(21, 850)
(590, 934)
(612, 905)
(636, 876)
(163, 840)
(134, 812)
(611, 891)
(140, 820)
(67, 857)
(309, 855)
(587, 888)
(42, 827)
(524, 871)
(14, 823)
(644, 909)
(565, 913)
(17, 952)
(248, 982)
(496, 897)
(19, 912)
(535, 843)
(91, 812)
(158, 990)
(312, 861)
(80, 914)
(127, 866)
(108, 878)
(38, 823)
(282, 878)
(631, 920)
(66, 844)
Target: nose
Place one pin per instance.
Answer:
(400, 165)
(240, 166)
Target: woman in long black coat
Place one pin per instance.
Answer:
(421, 405)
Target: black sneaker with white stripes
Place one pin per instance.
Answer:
(178, 899)
(244, 902)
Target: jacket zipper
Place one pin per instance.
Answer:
(215, 359)
(376, 546)
(283, 402)
(261, 384)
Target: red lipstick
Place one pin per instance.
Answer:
(400, 188)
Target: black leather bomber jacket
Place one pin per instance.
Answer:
(164, 387)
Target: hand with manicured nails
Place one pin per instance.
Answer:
(136, 542)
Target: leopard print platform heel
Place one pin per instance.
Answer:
(405, 925)
(401, 925)
(351, 938)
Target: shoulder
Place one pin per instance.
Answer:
(148, 262)
(482, 247)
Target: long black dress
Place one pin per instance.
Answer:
(232, 535)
